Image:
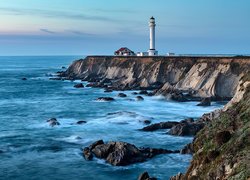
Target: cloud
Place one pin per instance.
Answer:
(80, 33)
(47, 31)
(54, 14)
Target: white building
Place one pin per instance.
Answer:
(152, 51)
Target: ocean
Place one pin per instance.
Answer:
(31, 149)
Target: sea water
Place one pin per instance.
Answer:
(31, 149)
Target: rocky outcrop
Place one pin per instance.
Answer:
(145, 176)
(53, 122)
(182, 77)
(161, 125)
(221, 150)
(121, 153)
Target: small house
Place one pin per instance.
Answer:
(124, 51)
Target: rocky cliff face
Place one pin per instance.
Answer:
(222, 147)
(205, 76)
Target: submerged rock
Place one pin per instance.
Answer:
(105, 99)
(205, 102)
(24, 79)
(139, 98)
(122, 153)
(79, 85)
(81, 122)
(53, 122)
(122, 95)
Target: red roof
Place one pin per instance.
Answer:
(123, 49)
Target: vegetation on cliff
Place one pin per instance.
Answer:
(222, 148)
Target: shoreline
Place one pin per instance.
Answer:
(88, 71)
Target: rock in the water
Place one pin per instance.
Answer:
(108, 90)
(144, 176)
(205, 102)
(99, 142)
(24, 79)
(63, 67)
(79, 85)
(53, 122)
(161, 125)
(87, 154)
(186, 129)
(81, 122)
(139, 98)
(105, 99)
(122, 95)
(179, 176)
(146, 121)
(143, 92)
(177, 96)
(134, 93)
(122, 153)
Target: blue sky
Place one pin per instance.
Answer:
(83, 27)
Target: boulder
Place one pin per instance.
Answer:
(87, 154)
(177, 96)
(205, 102)
(186, 129)
(63, 67)
(139, 98)
(105, 99)
(134, 93)
(122, 95)
(99, 142)
(121, 153)
(161, 125)
(53, 122)
(79, 85)
(144, 176)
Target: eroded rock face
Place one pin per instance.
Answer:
(121, 153)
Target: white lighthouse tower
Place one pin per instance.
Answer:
(152, 51)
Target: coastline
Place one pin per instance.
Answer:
(109, 71)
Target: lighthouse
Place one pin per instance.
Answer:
(152, 51)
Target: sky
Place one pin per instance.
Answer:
(87, 27)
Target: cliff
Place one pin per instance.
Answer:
(222, 148)
(203, 76)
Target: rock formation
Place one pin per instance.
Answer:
(183, 77)
(222, 148)
(121, 153)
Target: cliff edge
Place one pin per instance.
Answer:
(216, 77)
